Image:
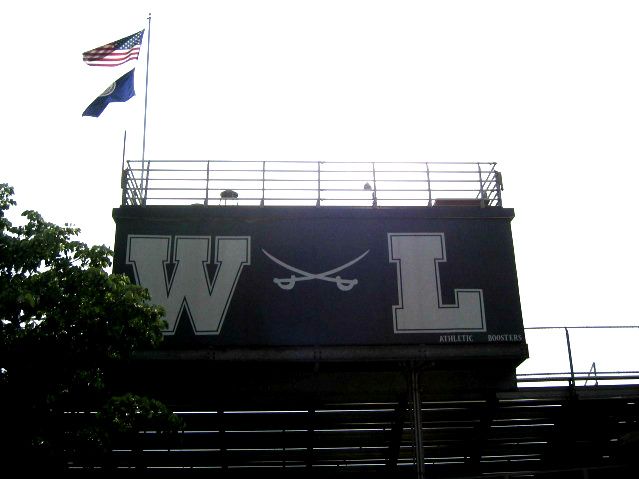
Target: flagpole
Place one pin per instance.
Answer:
(146, 98)
(125, 173)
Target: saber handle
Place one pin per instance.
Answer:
(345, 284)
(285, 283)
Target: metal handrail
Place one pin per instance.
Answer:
(131, 190)
(571, 376)
(316, 183)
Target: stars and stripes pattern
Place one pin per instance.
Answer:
(115, 53)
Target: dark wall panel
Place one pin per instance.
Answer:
(299, 276)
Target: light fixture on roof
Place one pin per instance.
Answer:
(368, 187)
(228, 195)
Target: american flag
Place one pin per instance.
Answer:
(115, 53)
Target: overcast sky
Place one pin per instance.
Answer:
(547, 89)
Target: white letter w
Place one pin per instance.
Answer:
(189, 288)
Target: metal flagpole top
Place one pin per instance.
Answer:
(146, 99)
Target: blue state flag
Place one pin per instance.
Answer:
(119, 91)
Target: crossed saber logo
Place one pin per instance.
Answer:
(289, 283)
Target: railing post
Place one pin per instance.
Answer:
(206, 194)
(482, 194)
(123, 184)
(263, 181)
(374, 186)
(318, 184)
(498, 186)
(430, 197)
(572, 370)
(146, 182)
(417, 422)
(123, 179)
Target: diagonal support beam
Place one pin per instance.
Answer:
(417, 423)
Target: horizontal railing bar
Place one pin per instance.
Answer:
(254, 198)
(568, 377)
(165, 170)
(441, 190)
(289, 180)
(329, 163)
(314, 172)
(433, 177)
(579, 374)
(367, 191)
(423, 181)
(314, 180)
(273, 171)
(367, 176)
(299, 189)
(190, 179)
(259, 162)
(308, 199)
(156, 188)
(395, 170)
(314, 198)
(463, 172)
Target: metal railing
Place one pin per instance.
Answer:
(315, 183)
(608, 345)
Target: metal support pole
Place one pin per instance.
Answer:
(312, 419)
(125, 173)
(482, 195)
(224, 459)
(123, 184)
(263, 181)
(374, 186)
(206, 195)
(395, 435)
(417, 423)
(318, 184)
(499, 187)
(572, 371)
(146, 100)
(430, 193)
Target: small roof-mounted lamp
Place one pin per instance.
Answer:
(368, 187)
(228, 195)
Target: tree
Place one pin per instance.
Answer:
(63, 320)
